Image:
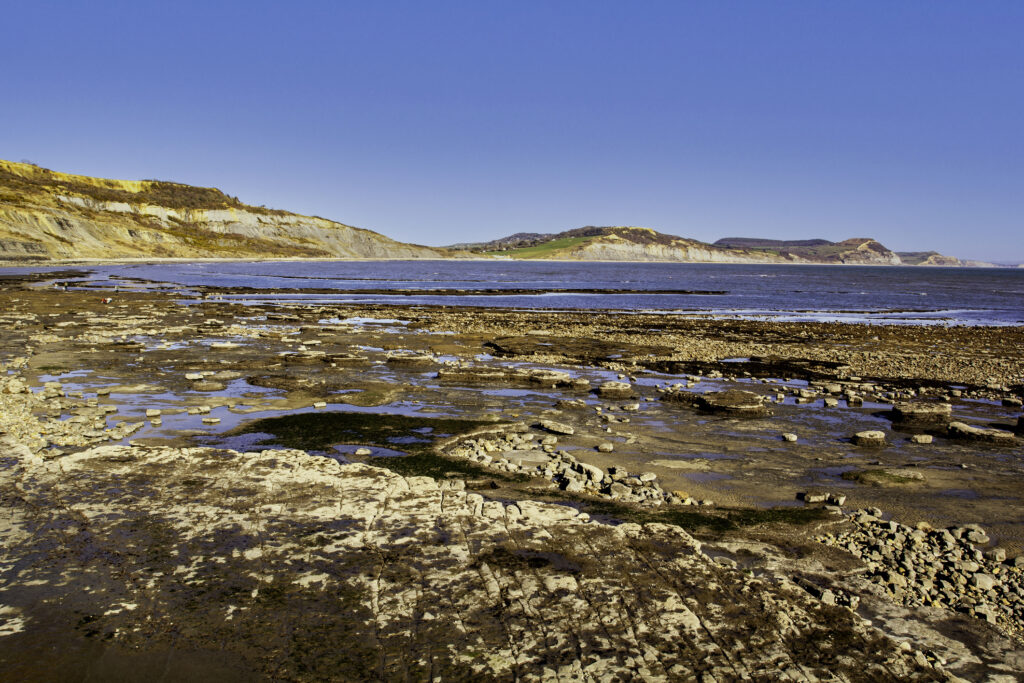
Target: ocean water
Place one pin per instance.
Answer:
(909, 295)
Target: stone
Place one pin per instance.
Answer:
(984, 582)
(921, 438)
(320, 404)
(573, 486)
(789, 436)
(615, 390)
(618, 490)
(595, 474)
(921, 414)
(977, 536)
(363, 452)
(208, 385)
(557, 427)
(966, 432)
(606, 447)
(871, 438)
(152, 412)
(209, 420)
(996, 554)
(837, 499)
(732, 402)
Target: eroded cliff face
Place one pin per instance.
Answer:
(615, 248)
(48, 215)
(866, 251)
(644, 244)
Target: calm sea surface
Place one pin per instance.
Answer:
(972, 296)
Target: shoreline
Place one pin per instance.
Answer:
(557, 458)
(286, 259)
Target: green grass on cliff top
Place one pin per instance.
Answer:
(542, 250)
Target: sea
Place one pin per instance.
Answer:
(855, 294)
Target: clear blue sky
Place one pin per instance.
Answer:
(437, 122)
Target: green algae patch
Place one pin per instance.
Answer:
(716, 521)
(414, 436)
(435, 466)
(321, 431)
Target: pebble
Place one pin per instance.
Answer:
(937, 567)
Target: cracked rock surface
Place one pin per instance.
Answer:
(286, 566)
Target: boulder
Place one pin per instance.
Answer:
(596, 474)
(984, 582)
(557, 427)
(871, 438)
(733, 402)
(921, 438)
(615, 390)
(208, 385)
(921, 414)
(966, 432)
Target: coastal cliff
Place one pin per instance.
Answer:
(644, 244)
(49, 215)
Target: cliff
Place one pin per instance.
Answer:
(50, 215)
(644, 244)
(928, 258)
(857, 250)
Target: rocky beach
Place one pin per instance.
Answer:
(205, 489)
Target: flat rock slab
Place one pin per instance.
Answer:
(487, 373)
(734, 402)
(616, 390)
(557, 427)
(921, 414)
(966, 432)
(296, 567)
(871, 438)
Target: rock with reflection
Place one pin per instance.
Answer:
(733, 403)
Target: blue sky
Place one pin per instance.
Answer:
(437, 122)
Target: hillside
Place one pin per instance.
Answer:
(644, 244)
(48, 215)
(858, 250)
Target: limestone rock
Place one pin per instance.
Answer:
(615, 390)
(557, 427)
(921, 414)
(871, 438)
(966, 432)
(733, 402)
